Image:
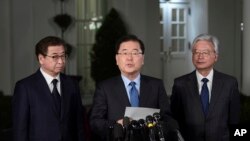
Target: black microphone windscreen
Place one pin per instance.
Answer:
(149, 121)
(134, 124)
(151, 127)
(157, 116)
(126, 122)
(141, 122)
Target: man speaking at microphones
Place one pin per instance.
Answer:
(129, 89)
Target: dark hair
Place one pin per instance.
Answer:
(129, 38)
(43, 44)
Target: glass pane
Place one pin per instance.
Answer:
(101, 8)
(86, 32)
(174, 15)
(92, 9)
(181, 15)
(182, 45)
(182, 30)
(174, 30)
(174, 45)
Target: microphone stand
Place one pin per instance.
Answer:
(118, 132)
(143, 129)
(159, 127)
(126, 122)
(150, 125)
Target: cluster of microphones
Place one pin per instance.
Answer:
(149, 129)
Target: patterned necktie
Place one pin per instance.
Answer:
(56, 97)
(134, 96)
(205, 96)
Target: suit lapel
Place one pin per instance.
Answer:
(64, 95)
(121, 92)
(44, 90)
(145, 90)
(192, 87)
(216, 91)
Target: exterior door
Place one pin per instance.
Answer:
(175, 53)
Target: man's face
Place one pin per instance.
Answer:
(130, 58)
(54, 61)
(204, 56)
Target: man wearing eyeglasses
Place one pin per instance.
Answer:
(205, 102)
(130, 89)
(47, 104)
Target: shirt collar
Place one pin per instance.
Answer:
(209, 76)
(127, 81)
(49, 78)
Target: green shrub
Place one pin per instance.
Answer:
(103, 63)
(245, 109)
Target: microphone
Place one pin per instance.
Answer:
(134, 132)
(172, 129)
(126, 122)
(118, 132)
(142, 123)
(157, 117)
(150, 125)
(143, 129)
(179, 136)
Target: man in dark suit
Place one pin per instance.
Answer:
(112, 96)
(205, 102)
(43, 111)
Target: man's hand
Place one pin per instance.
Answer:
(120, 121)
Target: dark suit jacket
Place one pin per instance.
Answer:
(111, 98)
(34, 114)
(224, 107)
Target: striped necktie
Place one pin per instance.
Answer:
(134, 96)
(205, 96)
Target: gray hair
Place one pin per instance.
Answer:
(206, 37)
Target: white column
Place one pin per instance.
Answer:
(246, 49)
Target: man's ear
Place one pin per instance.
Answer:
(40, 58)
(143, 59)
(116, 58)
(216, 57)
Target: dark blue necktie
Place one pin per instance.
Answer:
(205, 96)
(56, 96)
(134, 96)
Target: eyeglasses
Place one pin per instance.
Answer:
(129, 53)
(57, 57)
(203, 53)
